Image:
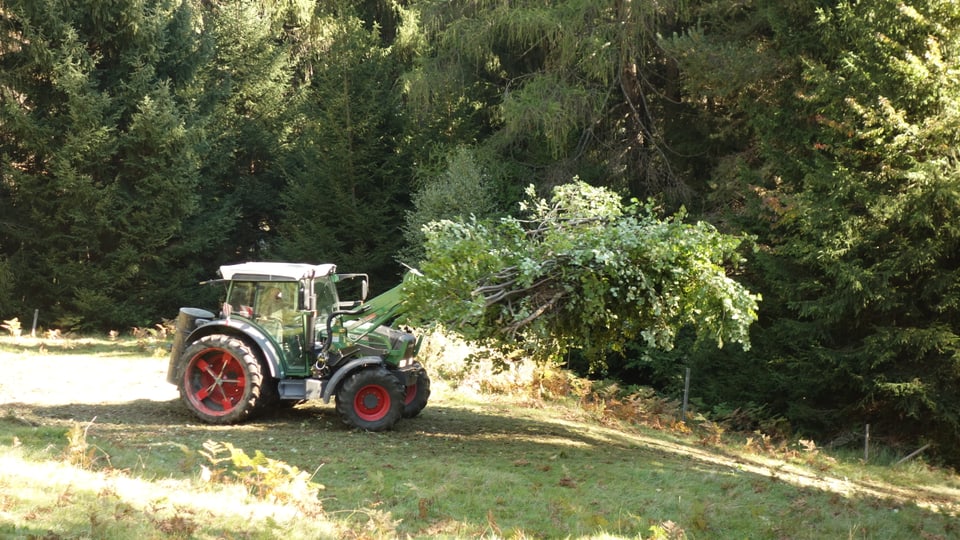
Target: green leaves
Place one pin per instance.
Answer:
(581, 270)
(265, 477)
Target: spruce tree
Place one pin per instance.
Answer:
(99, 165)
(551, 90)
(848, 176)
(347, 182)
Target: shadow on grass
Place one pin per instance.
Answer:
(436, 424)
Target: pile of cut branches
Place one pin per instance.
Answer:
(583, 271)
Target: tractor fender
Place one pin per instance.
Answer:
(188, 320)
(347, 369)
(241, 328)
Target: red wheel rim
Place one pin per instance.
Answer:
(372, 402)
(215, 382)
(410, 394)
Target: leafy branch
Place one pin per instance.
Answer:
(582, 271)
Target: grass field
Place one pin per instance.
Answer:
(95, 444)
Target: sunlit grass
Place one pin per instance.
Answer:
(99, 347)
(47, 498)
(436, 480)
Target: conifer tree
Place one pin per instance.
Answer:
(848, 176)
(249, 89)
(347, 185)
(552, 90)
(99, 168)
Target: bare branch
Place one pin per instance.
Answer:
(515, 327)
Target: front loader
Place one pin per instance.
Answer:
(284, 336)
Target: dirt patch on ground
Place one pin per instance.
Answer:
(70, 379)
(58, 387)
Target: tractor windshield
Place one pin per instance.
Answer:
(276, 301)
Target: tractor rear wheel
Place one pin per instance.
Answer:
(416, 395)
(371, 399)
(221, 380)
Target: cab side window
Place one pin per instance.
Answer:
(242, 298)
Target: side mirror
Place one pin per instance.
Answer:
(364, 283)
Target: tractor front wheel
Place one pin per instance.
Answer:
(221, 380)
(416, 395)
(371, 399)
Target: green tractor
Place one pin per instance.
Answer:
(283, 336)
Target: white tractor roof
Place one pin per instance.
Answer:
(275, 271)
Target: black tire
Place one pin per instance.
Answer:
(269, 391)
(221, 380)
(370, 399)
(270, 394)
(416, 395)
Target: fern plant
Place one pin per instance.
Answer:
(79, 452)
(12, 326)
(265, 477)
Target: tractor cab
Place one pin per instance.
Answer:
(289, 302)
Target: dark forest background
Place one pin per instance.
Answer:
(145, 142)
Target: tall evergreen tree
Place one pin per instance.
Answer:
(552, 90)
(248, 88)
(849, 179)
(347, 182)
(98, 163)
